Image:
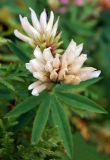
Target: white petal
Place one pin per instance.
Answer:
(71, 48)
(78, 49)
(78, 63)
(88, 73)
(29, 67)
(87, 69)
(39, 89)
(48, 67)
(35, 92)
(37, 65)
(43, 19)
(28, 27)
(54, 29)
(64, 61)
(50, 22)
(47, 54)
(35, 20)
(56, 61)
(33, 85)
(40, 76)
(23, 37)
(38, 54)
(70, 52)
(95, 74)
(70, 58)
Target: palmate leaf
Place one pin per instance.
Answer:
(81, 102)
(41, 119)
(61, 121)
(20, 54)
(76, 88)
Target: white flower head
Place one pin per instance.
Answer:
(42, 32)
(66, 68)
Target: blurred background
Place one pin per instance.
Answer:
(85, 21)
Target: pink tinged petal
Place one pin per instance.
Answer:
(78, 49)
(71, 79)
(79, 2)
(43, 20)
(35, 20)
(54, 29)
(28, 27)
(86, 72)
(47, 54)
(64, 1)
(40, 76)
(70, 58)
(33, 85)
(23, 37)
(35, 92)
(29, 67)
(54, 75)
(38, 54)
(39, 89)
(50, 23)
(78, 63)
(95, 74)
(56, 61)
(70, 52)
(71, 48)
(37, 65)
(64, 61)
(48, 67)
(87, 69)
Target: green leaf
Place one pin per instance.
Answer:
(15, 49)
(7, 84)
(79, 87)
(23, 120)
(60, 120)
(25, 106)
(3, 41)
(11, 77)
(41, 119)
(81, 102)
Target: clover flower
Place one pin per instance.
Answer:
(66, 68)
(42, 32)
(79, 2)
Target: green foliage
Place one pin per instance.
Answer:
(41, 119)
(13, 147)
(52, 102)
(60, 120)
(76, 88)
(14, 48)
(80, 102)
(18, 109)
(25, 106)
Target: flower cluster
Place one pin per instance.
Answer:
(49, 68)
(41, 33)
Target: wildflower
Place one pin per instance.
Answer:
(66, 68)
(79, 2)
(42, 32)
(65, 2)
